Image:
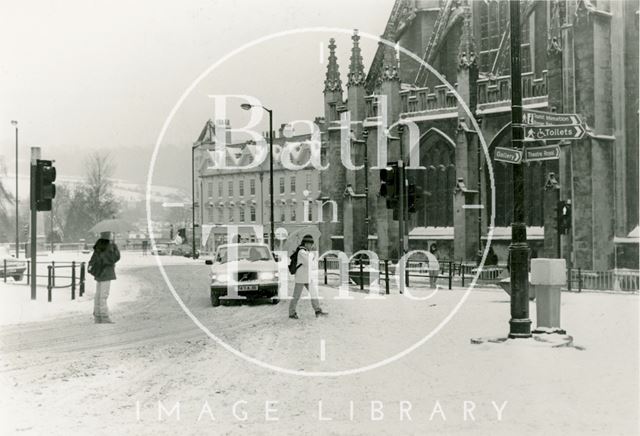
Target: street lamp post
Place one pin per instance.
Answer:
(193, 203)
(519, 324)
(247, 107)
(15, 124)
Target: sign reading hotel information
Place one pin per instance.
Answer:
(508, 155)
(547, 152)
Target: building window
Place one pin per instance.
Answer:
(219, 188)
(230, 188)
(282, 214)
(310, 216)
(281, 185)
(241, 188)
(252, 186)
(210, 189)
(293, 213)
(242, 214)
(210, 214)
(253, 214)
(293, 184)
(494, 19)
(308, 181)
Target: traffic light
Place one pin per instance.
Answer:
(564, 217)
(412, 198)
(389, 184)
(45, 188)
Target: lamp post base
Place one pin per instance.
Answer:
(519, 328)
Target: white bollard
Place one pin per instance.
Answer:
(548, 276)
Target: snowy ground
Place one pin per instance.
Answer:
(69, 376)
(16, 305)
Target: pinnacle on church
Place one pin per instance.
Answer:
(389, 62)
(332, 81)
(356, 67)
(466, 48)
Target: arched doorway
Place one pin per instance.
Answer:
(436, 183)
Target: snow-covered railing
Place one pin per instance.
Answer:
(579, 279)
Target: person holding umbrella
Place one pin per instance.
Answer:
(102, 268)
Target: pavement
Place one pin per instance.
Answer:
(66, 375)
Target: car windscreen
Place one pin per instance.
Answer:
(251, 253)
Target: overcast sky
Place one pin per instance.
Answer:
(81, 74)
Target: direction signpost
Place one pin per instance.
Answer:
(508, 155)
(546, 152)
(545, 133)
(533, 117)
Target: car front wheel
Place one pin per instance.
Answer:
(215, 299)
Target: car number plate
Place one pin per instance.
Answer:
(248, 287)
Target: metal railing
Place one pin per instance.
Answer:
(77, 280)
(77, 275)
(463, 272)
(579, 279)
(359, 272)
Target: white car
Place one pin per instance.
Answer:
(10, 266)
(249, 266)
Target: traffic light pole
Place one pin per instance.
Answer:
(35, 155)
(401, 207)
(519, 324)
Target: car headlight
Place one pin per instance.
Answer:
(267, 276)
(220, 278)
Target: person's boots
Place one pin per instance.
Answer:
(320, 313)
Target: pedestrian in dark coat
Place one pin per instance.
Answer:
(102, 267)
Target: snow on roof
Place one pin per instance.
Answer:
(504, 233)
(431, 233)
(632, 238)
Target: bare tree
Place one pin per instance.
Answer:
(99, 188)
(93, 201)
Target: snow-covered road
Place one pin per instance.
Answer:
(70, 376)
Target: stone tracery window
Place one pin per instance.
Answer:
(436, 184)
(493, 22)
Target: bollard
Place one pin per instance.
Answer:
(82, 266)
(325, 270)
(73, 280)
(462, 273)
(406, 276)
(53, 274)
(386, 276)
(361, 275)
(4, 261)
(49, 285)
(28, 272)
(579, 279)
(569, 279)
(450, 273)
(548, 276)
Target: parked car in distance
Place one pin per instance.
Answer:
(249, 266)
(184, 250)
(161, 249)
(14, 267)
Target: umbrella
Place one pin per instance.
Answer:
(294, 238)
(112, 225)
